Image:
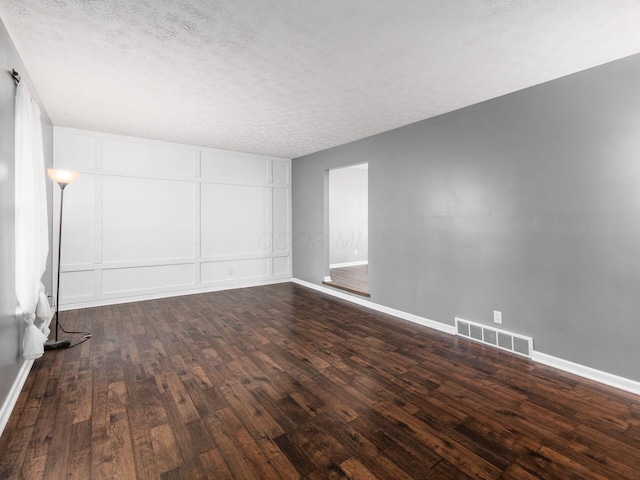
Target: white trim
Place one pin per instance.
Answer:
(605, 378)
(290, 220)
(86, 267)
(610, 379)
(349, 264)
(18, 384)
(173, 177)
(450, 329)
(14, 393)
(120, 297)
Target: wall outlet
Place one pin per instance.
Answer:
(497, 316)
(356, 251)
(230, 271)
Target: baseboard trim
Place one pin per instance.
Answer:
(14, 393)
(626, 384)
(173, 293)
(349, 264)
(450, 329)
(609, 379)
(10, 403)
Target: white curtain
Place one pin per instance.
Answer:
(32, 229)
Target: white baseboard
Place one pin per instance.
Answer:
(588, 372)
(117, 300)
(14, 393)
(605, 378)
(7, 407)
(450, 329)
(349, 264)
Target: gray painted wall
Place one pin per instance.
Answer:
(348, 220)
(11, 329)
(528, 204)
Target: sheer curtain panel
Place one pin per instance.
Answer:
(32, 235)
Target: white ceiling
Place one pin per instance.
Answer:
(291, 77)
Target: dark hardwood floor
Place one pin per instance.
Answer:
(281, 382)
(354, 279)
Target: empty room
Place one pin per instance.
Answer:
(367, 239)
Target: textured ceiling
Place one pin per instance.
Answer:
(291, 77)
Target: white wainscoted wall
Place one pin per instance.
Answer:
(150, 219)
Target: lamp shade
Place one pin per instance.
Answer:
(62, 177)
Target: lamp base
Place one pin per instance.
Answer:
(56, 344)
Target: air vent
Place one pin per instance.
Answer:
(495, 337)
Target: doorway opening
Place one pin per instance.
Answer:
(348, 226)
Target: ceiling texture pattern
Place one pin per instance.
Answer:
(292, 77)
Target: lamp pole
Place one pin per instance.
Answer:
(62, 178)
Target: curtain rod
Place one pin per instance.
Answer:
(15, 75)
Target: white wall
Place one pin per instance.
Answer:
(149, 219)
(348, 216)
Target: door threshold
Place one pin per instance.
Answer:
(346, 289)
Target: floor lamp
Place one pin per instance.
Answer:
(62, 178)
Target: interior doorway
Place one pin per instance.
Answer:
(349, 229)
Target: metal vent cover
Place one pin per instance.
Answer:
(490, 336)
(475, 332)
(463, 329)
(495, 337)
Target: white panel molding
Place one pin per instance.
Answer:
(270, 218)
(174, 178)
(450, 329)
(609, 379)
(289, 219)
(98, 153)
(599, 376)
(99, 217)
(82, 267)
(349, 264)
(153, 294)
(197, 233)
(73, 150)
(269, 171)
(58, 150)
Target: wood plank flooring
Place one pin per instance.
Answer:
(354, 279)
(281, 382)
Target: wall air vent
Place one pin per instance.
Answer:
(495, 337)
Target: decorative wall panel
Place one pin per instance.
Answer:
(148, 218)
(136, 279)
(131, 156)
(242, 168)
(281, 265)
(280, 220)
(225, 270)
(235, 220)
(77, 150)
(78, 225)
(77, 284)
